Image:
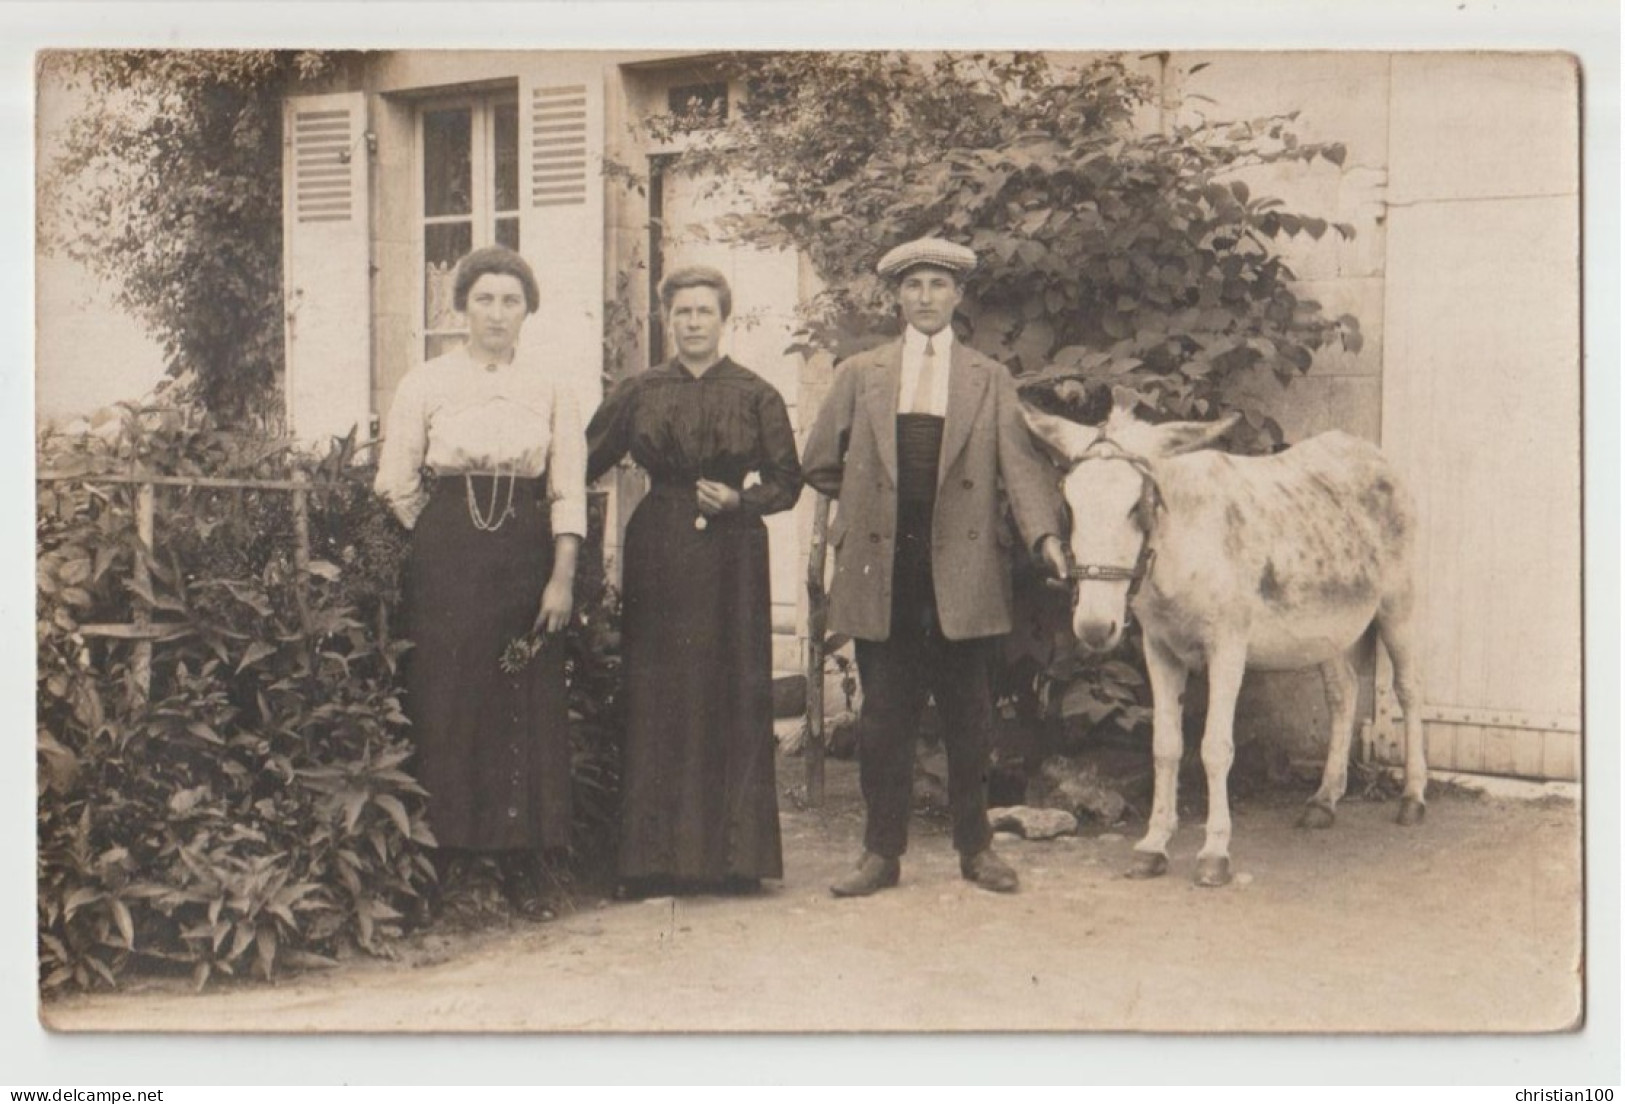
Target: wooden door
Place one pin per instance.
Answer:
(1481, 405)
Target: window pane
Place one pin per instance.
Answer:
(699, 105)
(444, 244)
(447, 169)
(505, 129)
(508, 233)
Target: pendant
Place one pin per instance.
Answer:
(700, 523)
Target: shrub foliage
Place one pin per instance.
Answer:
(168, 184)
(256, 812)
(1119, 244)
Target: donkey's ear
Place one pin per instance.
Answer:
(1176, 438)
(1125, 398)
(1062, 438)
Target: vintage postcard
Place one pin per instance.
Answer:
(501, 513)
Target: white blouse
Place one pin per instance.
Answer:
(454, 414)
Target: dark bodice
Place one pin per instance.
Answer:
(721, 426)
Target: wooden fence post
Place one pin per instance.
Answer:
(817, 618)
(146, 510)
(301, 551)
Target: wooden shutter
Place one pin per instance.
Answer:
(561, 218)
(326, 282)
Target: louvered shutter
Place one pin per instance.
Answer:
(562, 218)
(326, 280)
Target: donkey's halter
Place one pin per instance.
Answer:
(1150, 500)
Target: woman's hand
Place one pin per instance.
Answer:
(715, 498)
(558, 599)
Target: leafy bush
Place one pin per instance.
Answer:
(1112, 252)
(592, 672)
(256, 812)
(169, 185)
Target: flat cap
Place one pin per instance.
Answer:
(927, 251)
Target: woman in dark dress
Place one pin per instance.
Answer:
(484, 460)
(700, 809)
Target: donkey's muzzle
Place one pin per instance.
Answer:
(1097, 636)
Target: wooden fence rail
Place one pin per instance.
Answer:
(146, 629)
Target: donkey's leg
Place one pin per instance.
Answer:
(1168, 676)
(1341, 698)
(1398, 636)
(1226, 664)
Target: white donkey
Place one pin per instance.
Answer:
(1274, 562)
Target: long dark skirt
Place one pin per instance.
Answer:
(493, 749)
(699, 792)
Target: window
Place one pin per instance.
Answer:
(470, 154)
(699, 106)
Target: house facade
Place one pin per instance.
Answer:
(1461, 181)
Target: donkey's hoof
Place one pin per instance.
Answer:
(1212, 871)
(1316, 815)
(1147, 864)
(1411, 811)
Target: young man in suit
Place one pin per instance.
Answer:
(916, 440)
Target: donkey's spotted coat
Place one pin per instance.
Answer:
(1277, 562)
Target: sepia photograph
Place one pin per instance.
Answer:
(810, 540)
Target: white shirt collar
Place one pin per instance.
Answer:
(942, 342)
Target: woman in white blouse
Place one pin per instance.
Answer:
(484, 460)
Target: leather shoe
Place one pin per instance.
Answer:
(522, 877)
(989, 871)
(872, 874)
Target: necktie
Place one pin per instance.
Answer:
(926, 386)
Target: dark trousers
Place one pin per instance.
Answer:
(897, 674)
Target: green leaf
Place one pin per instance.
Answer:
(78, 899)
(397, 812)
(242, 936)
(142, 589)
(105, 556)
(205, 732)
(354, 802)
(325, 570)
(101, 968)
(265, 946)
(254, 653)
(126, 925)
